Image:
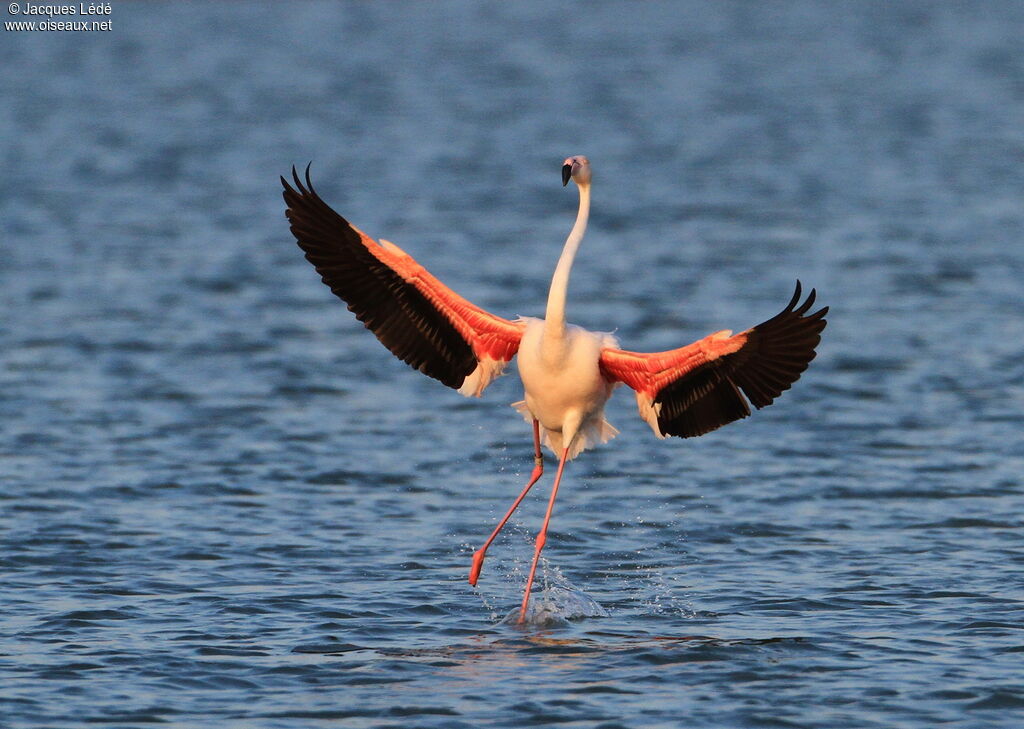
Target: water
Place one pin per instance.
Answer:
(223, 503)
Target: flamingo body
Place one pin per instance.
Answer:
(564, 388)
(568, 373)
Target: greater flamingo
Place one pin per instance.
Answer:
(568, 373)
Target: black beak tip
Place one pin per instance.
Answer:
(566, 174)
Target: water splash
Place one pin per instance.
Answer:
(556, 606)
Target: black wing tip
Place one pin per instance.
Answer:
(302, 189)
(795, 299)
(397, 313)
(796, 296)
(715, 396)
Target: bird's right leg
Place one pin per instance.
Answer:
(538, 470)
(543, 535)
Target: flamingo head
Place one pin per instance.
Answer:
(576, 168)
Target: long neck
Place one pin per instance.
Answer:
(555, 316)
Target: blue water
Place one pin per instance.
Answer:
(223, 503)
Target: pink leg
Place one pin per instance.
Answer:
(542, 537)
(538, 470)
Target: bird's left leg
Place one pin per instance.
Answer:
(542, 536)
(538, 471)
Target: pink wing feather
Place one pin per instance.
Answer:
(422, 321)
(695, 389)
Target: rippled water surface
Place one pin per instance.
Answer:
(223, 503)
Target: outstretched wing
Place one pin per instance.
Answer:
(695, 389)
(418, 318)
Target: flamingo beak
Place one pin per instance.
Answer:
(566, 174)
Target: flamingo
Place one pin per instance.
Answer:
(568, 373)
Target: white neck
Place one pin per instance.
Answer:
(555, 316)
